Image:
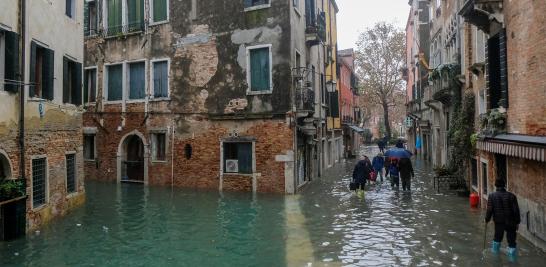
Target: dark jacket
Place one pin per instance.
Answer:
(405, 168)
(361, 172)
(503, 207)
(378, 163)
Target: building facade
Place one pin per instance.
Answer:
(349, 107)
(40, 111)
(185, 93)
(508, 86)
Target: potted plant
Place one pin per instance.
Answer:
(10, 189)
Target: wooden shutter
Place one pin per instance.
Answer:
(260, 70)
(48, 74)
(136, 80)
(244, 157)
(503, 69)
(493, 71)
(66, 81)
(334, 104)
(77, 84)
(160, 10)
(32, 72)
(114, 17)
(86, 25)
(68, 8)
(11, 66)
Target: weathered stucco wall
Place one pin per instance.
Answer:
(9, 14)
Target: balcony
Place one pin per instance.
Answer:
(445, 83)
(481, 13)
(315, 32)
(125, 29)
(305, 100)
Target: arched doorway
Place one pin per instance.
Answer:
(132, 159)
(5, 167)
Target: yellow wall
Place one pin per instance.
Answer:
(331, 41)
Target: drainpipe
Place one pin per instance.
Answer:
(172, 156)
(22, 92)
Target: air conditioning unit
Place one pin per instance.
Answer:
(232, 166)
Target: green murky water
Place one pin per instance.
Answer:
(326, 225)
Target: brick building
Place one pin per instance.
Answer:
(41, 55)
(216, 95)
(502, 58)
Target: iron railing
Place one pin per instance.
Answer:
(124, 29)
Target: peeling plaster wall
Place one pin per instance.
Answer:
(208, 93)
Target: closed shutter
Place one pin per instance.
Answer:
(66, 81)
(136, 81)
(115, 83)
(244, 157)
(334, 105)
(260, 70)
(248, 3)
(32, 88)
(494, 71)
(114, 17)
(503, 69)
(160, 10)
(86, 25)
(68, 10)
(136, 14)
(48, 74)
(12, 60)
(161, 81)
(77, 84)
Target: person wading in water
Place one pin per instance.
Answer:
(361, 174)
(503, 207)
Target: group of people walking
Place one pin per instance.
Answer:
(393, 168)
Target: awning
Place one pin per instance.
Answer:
(356, 129)
(515, 145)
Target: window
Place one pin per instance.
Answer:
(501, 167)
(2, 60)
(39, 182)
(124, 17)
(497, 71)
(5, 169)
(89, 147)
(194, 11)
(72, 80)
(259, 69)
(137, 81)
(114, 82)
(71, 173)
(90, 86)
(484, 178)
(482, 105)
(90, 17)
(238, 157)
(41, 72)
(160, 11)
(70, 8)
(159, 146)
(160, 77)
(256, 4)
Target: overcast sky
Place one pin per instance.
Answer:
(356, 15)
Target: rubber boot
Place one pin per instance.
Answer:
(512, 254)
(495, 247)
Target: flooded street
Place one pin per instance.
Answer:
(326, 225)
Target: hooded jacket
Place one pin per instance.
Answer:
(361, 172)
(503, 207)
(378, 163)
(406, 168)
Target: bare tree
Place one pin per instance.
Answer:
(379, 59)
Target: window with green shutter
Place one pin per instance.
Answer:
(115, 82)
(10, 46)
(90, 86)
(160, 79)
(260, 69)
(135, 15)
(159, 10)
(137, 82)
(114, 17)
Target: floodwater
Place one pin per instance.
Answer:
(326, 225)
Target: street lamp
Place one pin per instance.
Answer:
(331, 86)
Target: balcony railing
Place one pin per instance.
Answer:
(305, 99)
(316, 29)
(123, 29)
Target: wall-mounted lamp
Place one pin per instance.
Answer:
(331, 86)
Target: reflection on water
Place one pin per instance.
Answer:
(396, 228)
(326, 225)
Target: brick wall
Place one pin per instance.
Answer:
(526, 32)
(202, 170)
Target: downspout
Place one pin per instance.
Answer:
(22, 92)
(172, 157)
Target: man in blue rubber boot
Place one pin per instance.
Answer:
(503, 207)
